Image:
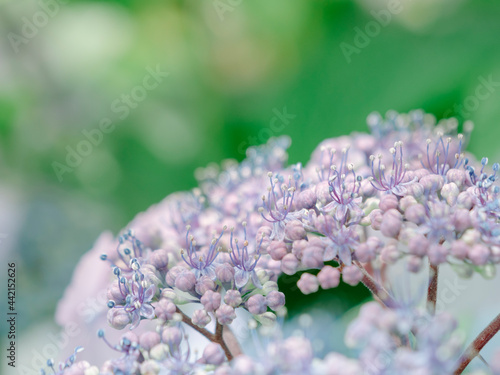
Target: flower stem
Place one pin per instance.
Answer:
(475, 347)
(216, 337)
(432, 289)
(378, 291)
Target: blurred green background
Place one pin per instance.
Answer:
(233, 66)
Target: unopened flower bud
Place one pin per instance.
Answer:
(211, 300)
(392, 222)
(149, 339)
(213, 354)
(329, 277)
(308, 283)
(352, 275)
(233, 298)
(275, 300)
(289, 264)
(201, 318)
(277, 250)
(225, 314)
(256, 304)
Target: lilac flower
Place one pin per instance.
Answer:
(244, 261)
(442, 158)
(129, 347)
(63, 366)
(201, 263)
(395, 183)
(278, 205)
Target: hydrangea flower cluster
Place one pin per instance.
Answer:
(406, 195)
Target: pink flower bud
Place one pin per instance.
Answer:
(233, 298)
(388, 202)
(457, 176)
(211, 300)
(437, 254)
(432, 182)
(367, 189)
(322, 191)
(305, 199)
(462, 220)
(256, 304)
(450, 192)
(203, 284)
(172, 275)
(389, 254)
(294, 230)
(418, 245)
(416, 214)
(277, 250)
(479, 254)
(159, 259)
(414, 264)
(225, 314)
(415, 190)
(275, 300)
(376, 219)
(185, 281)
(464, 200)
(213, 354)
(392, 222)
(118, 318)
(329, 277)
(308, 283)
(289, 264)
(171, 336)
(114, 293)
(201, 318)
(298, 247)
(352, 275)
(312, 257)
(165, 309)
(406, 202)
(459, 249)
(149, 339)
(224, 272)
(420, 173)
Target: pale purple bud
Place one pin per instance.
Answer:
(352, 275)
(171, 336)
(392, 222)
(406, 202)
(114, 293)
(308, 283)
(289, 264)
(213, 354)
(388, 202)
(298, 247)
(465, 200)
(323, 192)
(233, 298)
(118, 318)
(312, 257)
(185, 281)
(159, 259)
(376, 219)
(437, 254)
(277, 250)
(165, 309)
(459, 249)
(415, 214)
(256, 304)
(420, 173)
(211, 300)
(367, 189)
(172, 275)
(224, 272)
(432, 182)
(414, 264)
(418, 245)
(450, 192)
(225, 314)
(149, 339)
(201, 318)
(203, 284)
(275, 300)
(479, 254)
(461, 219)
(294, 230)
(305, 199)
(329, 277)
(389, 254)
(415, 189)
(457, 176)
(265, 231)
